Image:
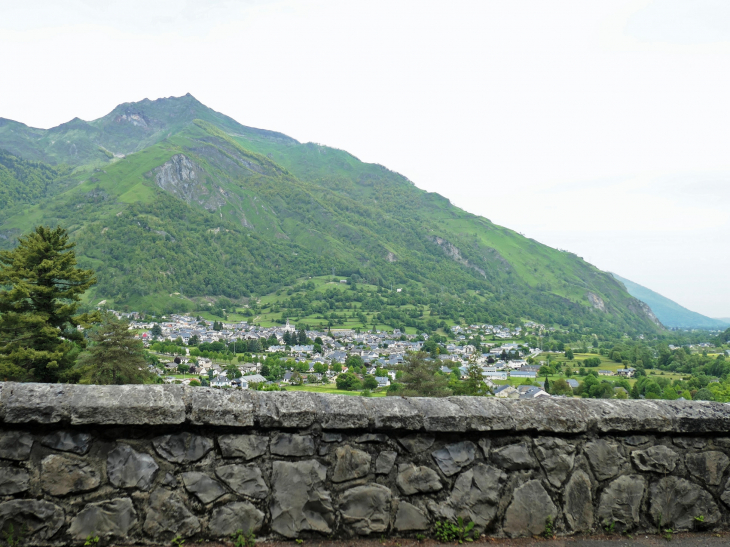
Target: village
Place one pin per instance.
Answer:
(317, 358)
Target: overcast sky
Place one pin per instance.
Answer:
(600, 127)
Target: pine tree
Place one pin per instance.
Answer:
(635, 392)
(114, 356)
(38, 323)
(421, 378)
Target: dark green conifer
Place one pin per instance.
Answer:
(39, 336)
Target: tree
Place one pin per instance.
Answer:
(194, 340)
(232, 372)
(114, 355)
(474, 383)
(704, 394)
(156, 330)
(369, 382)
(182, 368)
(569, 354)
(421, 378)
(635, 391)
(348, 382)
(561, 387)
(39, 338)
(547, 385)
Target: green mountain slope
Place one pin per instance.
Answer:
(669, 312)
(203, 206)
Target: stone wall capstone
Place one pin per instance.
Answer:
(144, 464)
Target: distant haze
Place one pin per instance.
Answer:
(599, 127)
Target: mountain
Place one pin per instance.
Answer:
(173, 203)
(670, 313)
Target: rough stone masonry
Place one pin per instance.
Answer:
(147, 463)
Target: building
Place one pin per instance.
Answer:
(523, 374)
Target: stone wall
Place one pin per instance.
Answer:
(147, 463)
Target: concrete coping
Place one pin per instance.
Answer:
(160, 405)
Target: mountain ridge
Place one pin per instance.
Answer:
(167, 202)
(670, 313)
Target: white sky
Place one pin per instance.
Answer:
(601, 127)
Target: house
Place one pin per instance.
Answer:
(506, 392)
(220, 381)
(606, 373)
(302, 349)
(533, 393)
(523, 374)
(572, 383)
(255, 379)
(495, 375)
(626, 372)
(383, 381)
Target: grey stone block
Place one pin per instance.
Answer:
(453, 457)
(126, 405)
(385, 462)
(300, 501)
(245, 480)
(410, 518)
(295, 409)
(288, 444)
(476, 494)
(229, 407)
(182, 447)
(13, 481)
(709, 466)
(605, 458)
(35, 403)
(556, 457)
(621, 501)
(68, 441)
(127, 468)
(578, 507)
(514, 457)
(15, 445)
(548, 415)
(393, 413)
(657, 459)
(416, 444)
(371, 438)
(331, 437)
(40, 519)
(440, 414)
(230, 518)
(530, 508)
(207, 490)
(167, 515)
(675, 502)
(350, 463)
(113, 518)
(342, 412)
(484, 413)
(414, 480)
(366, 509)
(243, 446)
(61, 475)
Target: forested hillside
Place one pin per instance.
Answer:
(169, 197)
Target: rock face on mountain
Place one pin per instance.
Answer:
(306, 465)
